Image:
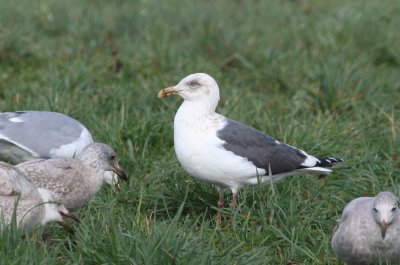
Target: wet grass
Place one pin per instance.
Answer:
(321, 76)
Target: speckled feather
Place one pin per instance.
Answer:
(15, 188)
(75, 180)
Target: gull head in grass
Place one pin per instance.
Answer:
(227, 153)
(54, 210)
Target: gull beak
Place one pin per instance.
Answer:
(70, 216)
(384, 225)
(119, 171)
(168, 92)
(67, 226)
(115, 183)
(117, 187)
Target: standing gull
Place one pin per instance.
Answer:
(28, 135)
(77, 180)
(369, 231)
(35, 206)
(225, 152)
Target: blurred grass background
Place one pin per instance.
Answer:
(320, 75)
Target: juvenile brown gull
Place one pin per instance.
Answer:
(369, 231)
(77, 180)
(35, 206)
(224, 152)
(29, 135)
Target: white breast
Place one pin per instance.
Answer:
(202, 155)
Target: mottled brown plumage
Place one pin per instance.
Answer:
(75, 180)
(34, 206)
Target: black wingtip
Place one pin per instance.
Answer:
(328, 161)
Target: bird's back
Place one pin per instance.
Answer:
(25, 135)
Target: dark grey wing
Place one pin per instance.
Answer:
(262, 150)
(39, 131)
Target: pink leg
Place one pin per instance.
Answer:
(220, 205)
(233, 203)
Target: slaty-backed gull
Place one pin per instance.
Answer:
(77, 180)
(369, 231)
(224, 152)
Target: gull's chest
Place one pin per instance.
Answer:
(364, 238)
(194, 139)
(202, 154)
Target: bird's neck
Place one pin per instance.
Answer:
(91, 161)
(192, 110)
(93, 174)
(396, 217)
(194, 119)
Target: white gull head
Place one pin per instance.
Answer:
(199, 89)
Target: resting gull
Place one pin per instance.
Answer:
(225, 152)
(35, 206)
(28, 135)
(77, 180)
(369, 231)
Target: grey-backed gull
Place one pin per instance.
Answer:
(369, 231)
(28, 135)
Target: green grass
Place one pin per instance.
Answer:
(320, 75)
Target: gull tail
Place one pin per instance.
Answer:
(328, 161)
(324, 166)
(315, 170)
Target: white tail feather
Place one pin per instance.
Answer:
(315, 170)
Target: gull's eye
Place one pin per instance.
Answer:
(375, 210)
(393, 209)
(112, 157)
(194, 83)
